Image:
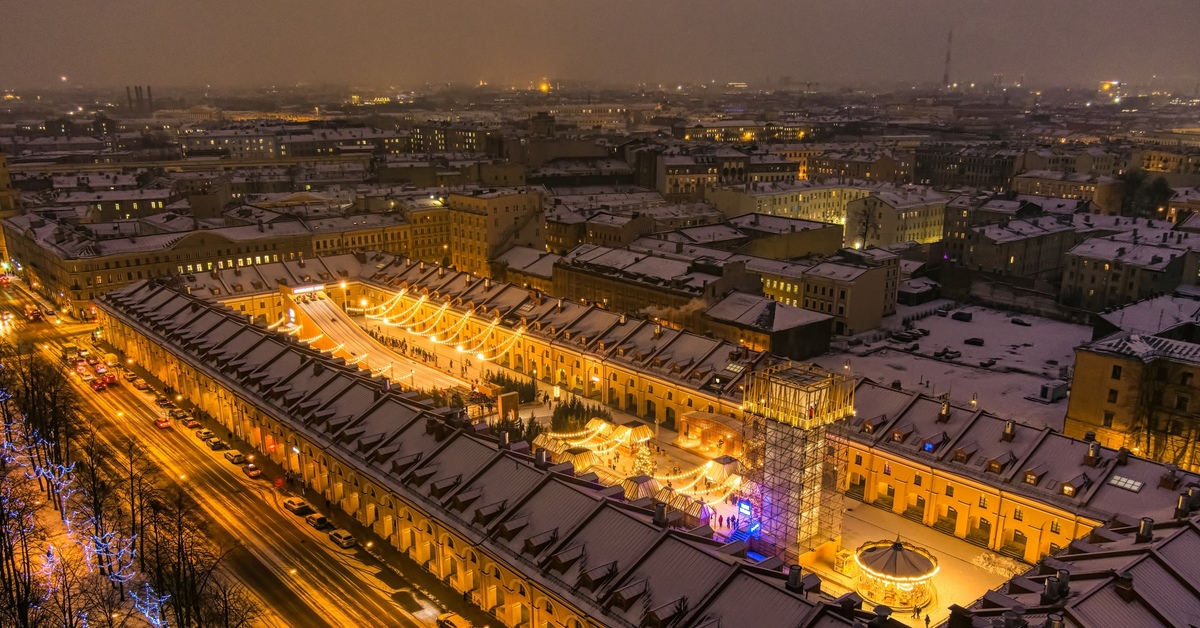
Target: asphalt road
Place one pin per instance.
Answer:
(299, 577)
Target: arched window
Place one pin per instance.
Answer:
(549, 607)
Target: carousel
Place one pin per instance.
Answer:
(895, 574)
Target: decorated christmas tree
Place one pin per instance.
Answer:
(643, 464)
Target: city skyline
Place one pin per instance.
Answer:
(374, 44)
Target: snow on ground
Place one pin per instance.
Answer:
(1026, 357)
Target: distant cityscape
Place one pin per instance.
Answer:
(564, 354)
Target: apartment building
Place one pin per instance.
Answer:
(1105, 192)
(1101, 273)
(823, 202)
(1031, 247)
(907, 214)
(976, 167)
(1144, 394)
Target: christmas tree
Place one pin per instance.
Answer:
(643, 464)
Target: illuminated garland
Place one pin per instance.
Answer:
(336, 349)
(485, 333)
(436, 318)
(309, 341)
(686, 474)
(358, 359)
(453, 330)
(502, 348)
(277, 323)
(403, 317)
(380, 371)
(384, 307)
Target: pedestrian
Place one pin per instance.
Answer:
(926, 620)
(720, 521)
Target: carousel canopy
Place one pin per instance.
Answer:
(896, 560)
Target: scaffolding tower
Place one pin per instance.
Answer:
(793, 457)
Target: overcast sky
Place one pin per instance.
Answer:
(381, 42)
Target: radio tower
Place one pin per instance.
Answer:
(946, 71)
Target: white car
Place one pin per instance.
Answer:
(342, 538)
(297, 506)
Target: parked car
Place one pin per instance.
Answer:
(162, 423)
(297, 506)
(130, 376)
(317, 521)
(176, 413)
(141, 384)
(988, 362)
(234, 456)
(343, 538)
(1022, 322)
(217, 444)
(912, 347)
(190, 422)
(974, 342)
(962, 316)
(940, 352)
(952, 354)
(922, 331)
(205, 434)
(452, 620)
(942, 313)
(251, 470)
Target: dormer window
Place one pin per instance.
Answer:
(931, 444)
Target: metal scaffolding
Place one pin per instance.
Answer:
(797, 462)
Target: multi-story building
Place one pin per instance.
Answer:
(1178, 161)
(1101, 190)
(866, 165)
(8, 203)
(824, 202)
(907, 214)
(856, 288)
(1032, 247)
(1101, 273)
(1142, 393)
(238, 143)
(485, 221)
(106, 205)
(442, 137)
(1023, 491)
(740, 131)
(72, 266)
(686, 175)
(976, 167)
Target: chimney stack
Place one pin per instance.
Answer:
(129, 97)
(794, 583)
(1050, 590)
(149, 101)
(1145, 532)
(1010, 430)
(1124, 586)
(1054, 620)
(660, 514)
(1182, 506)
(1093, 454)
(540, 459)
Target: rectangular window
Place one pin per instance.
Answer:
(1018, 515)
(916, 480)
(858, 459)
(1055, 528)
(949, 491)
(1116, 372)
(1112, 395)
(887, 468)
(983, 501)
(1181, 403)
(1108, 418)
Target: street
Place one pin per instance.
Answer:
(299, 577)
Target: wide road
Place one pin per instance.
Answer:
(338, 328)
(300, 578)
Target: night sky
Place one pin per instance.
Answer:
(382, 42)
